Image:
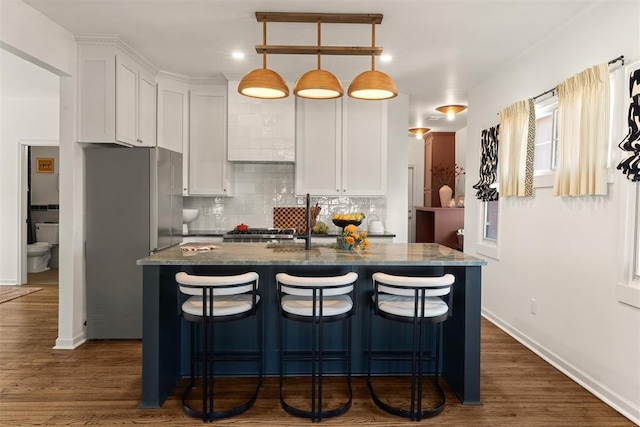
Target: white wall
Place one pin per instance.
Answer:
(44, 186)
(561, 251)
(32, 36)
(32, 117)
(397, 196)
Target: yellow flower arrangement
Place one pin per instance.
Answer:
(351, 239)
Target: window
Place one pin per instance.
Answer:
(546, 149)
(546, 146)
(491, 221)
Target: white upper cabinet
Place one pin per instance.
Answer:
(173, 115)
(117, 98)
(260, 130)
(208, 143)
(319, 145)
(364, 147)
(341, 147)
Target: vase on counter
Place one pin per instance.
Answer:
(445, 195)
(342, 244)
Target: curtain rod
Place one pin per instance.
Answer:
(613, 61)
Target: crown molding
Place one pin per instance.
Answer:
(115, 40)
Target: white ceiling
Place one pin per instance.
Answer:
(440, 48)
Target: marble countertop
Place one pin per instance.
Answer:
(424, 254)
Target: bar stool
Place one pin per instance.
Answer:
(212, 300)
(316, 301)
(419, 301)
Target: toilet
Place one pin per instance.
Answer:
(39, 253)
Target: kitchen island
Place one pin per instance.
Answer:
(165, 339)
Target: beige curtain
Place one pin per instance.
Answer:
(515, 151)
(583, 133)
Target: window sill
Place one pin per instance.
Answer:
(628, 294)
(488, 249)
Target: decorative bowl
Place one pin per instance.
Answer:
(189, 215)
(344, 222)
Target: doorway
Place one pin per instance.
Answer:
(46, 207)
(411, 197)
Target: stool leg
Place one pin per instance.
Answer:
(414, 369)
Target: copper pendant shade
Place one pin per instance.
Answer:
(318, 84)
(451, 110)
(419, 132)
(373, 85)
(262, 82)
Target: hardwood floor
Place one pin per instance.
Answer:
(99, 384)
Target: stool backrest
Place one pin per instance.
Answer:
(308, 286)
(219, 285)
(406, 286)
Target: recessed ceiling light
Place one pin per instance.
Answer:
(237, 55)
(386, 57)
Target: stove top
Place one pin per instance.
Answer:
(251, 231)
(259, 235)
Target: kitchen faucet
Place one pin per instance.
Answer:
(307, 236)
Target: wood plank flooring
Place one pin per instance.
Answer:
(99, 384)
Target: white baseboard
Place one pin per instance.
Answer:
(7, 282)
(627, 408)
(70, 344)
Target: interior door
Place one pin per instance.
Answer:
(411, 233)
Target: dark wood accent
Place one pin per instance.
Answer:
(325, 18)
(439, 149)
(439, 225)
(324, 50)
(99, 384)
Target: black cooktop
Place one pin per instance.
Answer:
(254, 231)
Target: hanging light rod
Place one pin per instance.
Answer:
(324, 50)
(326, 18)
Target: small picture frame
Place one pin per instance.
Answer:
(44, 165)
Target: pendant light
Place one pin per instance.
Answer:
(262, 82)
(451, 110)
(318, 84)
(419, 132)
(373, 84)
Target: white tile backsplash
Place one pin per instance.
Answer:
(259, 187)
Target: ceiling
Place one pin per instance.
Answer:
(440, 48)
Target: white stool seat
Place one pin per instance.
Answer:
(405, 306)
(224, 305)
(303, 305)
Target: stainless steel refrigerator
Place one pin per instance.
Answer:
(133, 205)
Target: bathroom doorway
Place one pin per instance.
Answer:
(39, 203)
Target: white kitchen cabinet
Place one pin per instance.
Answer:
(318, 147)
(364, 147)
(341, 147)
(117, 98)
(260, 130)
(208, 143)
(173, 116)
